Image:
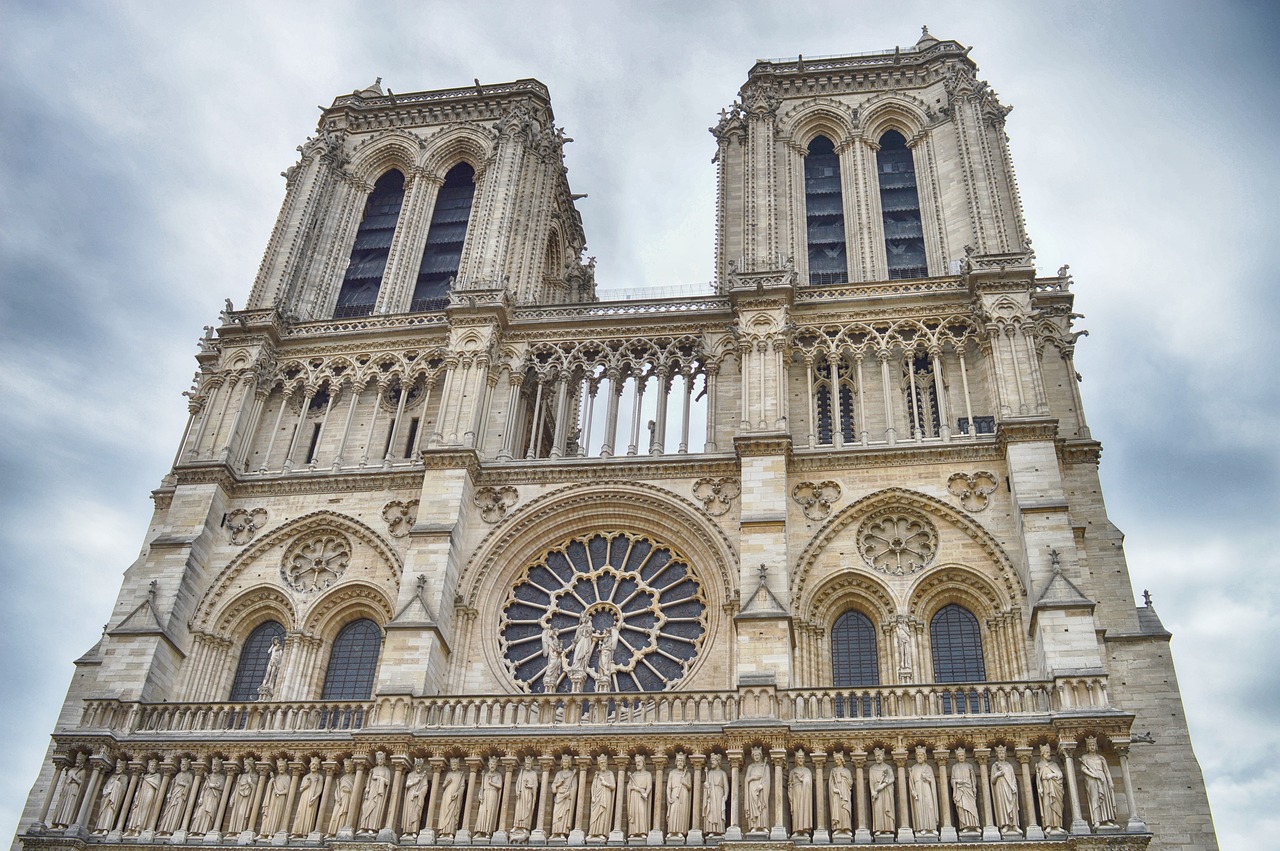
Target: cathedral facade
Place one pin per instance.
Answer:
(455, 551)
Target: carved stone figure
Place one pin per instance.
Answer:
(242, 798)
(880, 777)
(964, 791)
(639, 795)
(309, 792)
(490, 800)
(1049, 789)
(555, 659)
(756, 793)
(175, 802)
(144, 799)
(109, 802)
(924, 794)
(451, 789)
(274, 654)
(715, 794)
(376, 788)
(210, 795)
(564, 792)
(800, 796)
(526, 799)
(679, 798)
(72, 782)
(608, 647)
(1004, 792)
(603, 787)
(342, 797)
(584, 639)
(1101, 792)
(841, 783)
(274, 806)
(902, 635)
(415, 795)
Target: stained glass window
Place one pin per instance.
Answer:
(252, 666)
(957, 646)
(353, 661)
(853, 651)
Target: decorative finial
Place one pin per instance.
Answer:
(763, 571)
(1146, 598)
(1054, 561)
(422, 582)
(924, 30)
(153, 589)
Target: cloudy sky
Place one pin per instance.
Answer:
(140, 148)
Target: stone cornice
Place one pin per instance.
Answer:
(598, 469)
(772, 443)
(1078, 451)
(1026, 430)
(817, 460)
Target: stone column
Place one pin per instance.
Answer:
(733, 830)
(427, 836)
(694, 837)
(821, 832)
(1136, 824)
(126, 803)
(611, 413)
(862, 832)
(197, 783)
(657, 826)
(500, 836)
(323, 813)
(259, 791)
(1079, 827)
(348, 829)
(905, 833)
(538, 836)
(463, 836)
(618, 835)
(578, 835)
(778, 757)
(1033, 829)
(90, 796)
(40, 825)
(390, 831)
(214, 836)
(947, 832)
(989, 830)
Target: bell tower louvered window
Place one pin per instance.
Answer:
(448, 231)
(373, 243)
(900, 208)
(824, 214)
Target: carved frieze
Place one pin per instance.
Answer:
(973, 490)
(243, 523)
(716, 493)
(400, 516)
(816, 498)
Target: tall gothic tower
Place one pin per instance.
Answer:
(453, 552)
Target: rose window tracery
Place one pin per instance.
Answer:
(897, 542)
(313, 563)
(604, 612)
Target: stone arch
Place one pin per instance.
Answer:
(851, 589)
(252, 608)
(344, 603)
(999, 618)
(457, 144)
(893, 112)
(396, 149)
(819, 117)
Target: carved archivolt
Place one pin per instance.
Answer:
(316, 560)
(973, 489)
(494, 502)
(816, 498)
(243, 523)
(400, 516)
(897, 541)
(716, 493)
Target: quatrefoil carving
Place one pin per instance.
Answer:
(494, 502)
(816, 498)
(244, 523)
(315, 562)
(897, 541)
(973, 489)
(716, 494)
(400, 516)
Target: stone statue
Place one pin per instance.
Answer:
(242, 798)
(109, 803)
(415, 796)
(342, 797)
(880, 776)
(584, 640)
(490, 800)
(269, 677)
(603, 787)
(207, 804)
(639, 795)
(841, 783)
(800, 796)
(175, 802)
(451, 790)
(679, 798)
(274, 806)
(715, 794)
(755, 793)
(144, 799)
(964, 791)
(526, 799)
(376, 789)
(1049, 787)
(564, 793)
(551, 648)
(1101, 788)
(608, 647)
(924, 794)
(309, 792)
(1004, 792)
(902, 634)
(72, 782)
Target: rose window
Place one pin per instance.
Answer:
(313, 563)
(897, 542)
(606, 612)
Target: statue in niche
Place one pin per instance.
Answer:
(1098, 782)
(175, 802)
(715, 795)
(880, 776)
(526, 799)
(551, 648)
(964, 791)
(309, 792)
(376, 787)
(800, 796)
(490, 799)
(639, 794)
(841, 784)
(242, 798)
(1004, 792)
(275, 811)
(564, 792)
(144, 799)
(756, 793)
(603, 787)
(72, 781)
(1049, 788)
(415, 796)
(109, 802)
(902, 634)
(451, 790)
(207, 804)
(679, 798)
(274, 654)
(924, 794)
(342, 797)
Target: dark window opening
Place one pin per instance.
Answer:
(957, 646)
(900, 208)
(315, 438)
(853, 651)
(844, 412)
(391, 431)
(353, 661)
(443, 252)
(363, 279)
(413, 434)
(252, 666)
(981, 425)
(922, 407)
(824, 214)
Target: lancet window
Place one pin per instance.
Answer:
(353, 662)
(363, 278)
(854, 660)
(956, 640)
(921, 395)
(445, 237)
(824, 214)
(900, 208)
(254, 656)
(834, 414)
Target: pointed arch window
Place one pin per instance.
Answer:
(957, 646)
(368, 261)
(900, 208)
(854, 660)
(443, 252)
(837, 419)
(824, 214)
(252, 666)
(353, 662)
